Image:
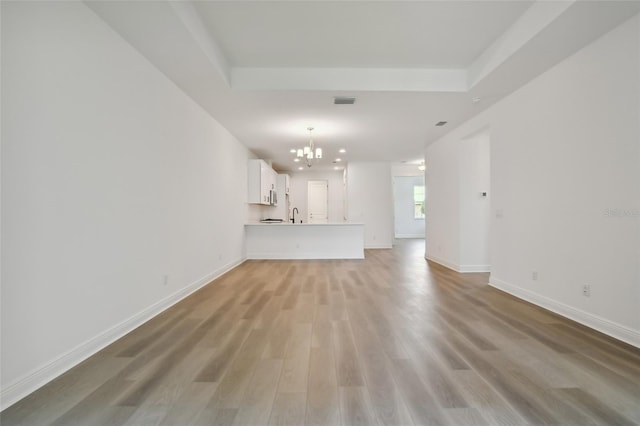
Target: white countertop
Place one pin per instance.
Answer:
(286, 240)
(302, 224)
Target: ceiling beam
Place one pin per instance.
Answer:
(350, 79)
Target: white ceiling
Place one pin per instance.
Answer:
(267, 70)
(357, 34)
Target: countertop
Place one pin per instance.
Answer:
(302, 224)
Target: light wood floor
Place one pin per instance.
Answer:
(388, 340)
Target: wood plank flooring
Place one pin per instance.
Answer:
(389, 340)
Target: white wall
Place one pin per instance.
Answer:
(370, 201)
(112, 178)
(474, 207)
(442, 222)
(335, 194)
(565, 176)
(405, 223)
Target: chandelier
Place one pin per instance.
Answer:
(309, 153)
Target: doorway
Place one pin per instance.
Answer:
(409, 206)
(317, 201)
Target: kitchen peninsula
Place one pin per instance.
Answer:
(304, 240)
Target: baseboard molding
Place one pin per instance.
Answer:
(43, 375)
(474, 268)
(305, 255)
(605, 326)
(384, 246)
(402, 236)
(463, 269)
(443, 262)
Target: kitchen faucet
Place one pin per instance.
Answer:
(293, 213)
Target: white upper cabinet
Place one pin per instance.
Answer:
(283, 183)
(261, 181)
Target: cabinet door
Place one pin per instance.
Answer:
(254, 191)
(265, 186)
(261, 180)
(258, 185)
(273, 184)
(286, 184)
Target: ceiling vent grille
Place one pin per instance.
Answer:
(440, 123)
(344, 100)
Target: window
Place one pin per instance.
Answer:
(418, 201)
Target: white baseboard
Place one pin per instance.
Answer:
(444, 262)
(459, 268)
(401, 236)
(358, 254)
(474, 268)
(605, 326)
(44, 374)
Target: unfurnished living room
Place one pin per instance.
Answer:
(320, 212)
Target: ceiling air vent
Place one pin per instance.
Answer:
(440, 123)
(343, 100)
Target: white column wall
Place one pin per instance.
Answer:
(442, 206)
(370, 201)
(475, 210)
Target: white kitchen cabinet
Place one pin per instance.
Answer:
(272, 182)
(282, 208)
(261, 182)
(283, 184)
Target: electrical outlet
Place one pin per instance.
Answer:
(534, 275)
(586, 290)
(165, 279)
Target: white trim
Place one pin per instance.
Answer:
(378, 247)
(410, 235)
(474, 268)
(463, 269)
(603, 325)
(44, 374)
(443, 262)
(305, 255)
